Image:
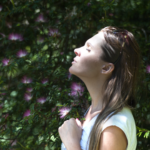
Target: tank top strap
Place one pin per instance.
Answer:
(86, 111)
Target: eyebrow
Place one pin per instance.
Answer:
(88, 43)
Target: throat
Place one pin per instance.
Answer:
(89, 119)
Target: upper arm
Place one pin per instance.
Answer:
(113, 138)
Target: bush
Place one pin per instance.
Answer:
(37, 39)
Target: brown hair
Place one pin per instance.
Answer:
(122, 50)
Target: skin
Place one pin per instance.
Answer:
(93, 71)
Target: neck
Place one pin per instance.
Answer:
(95, 86)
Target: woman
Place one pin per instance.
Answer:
(108, 64)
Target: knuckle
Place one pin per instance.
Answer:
(65, 122)
(59, 129)
(72, 119)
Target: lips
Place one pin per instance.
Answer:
(74, 60)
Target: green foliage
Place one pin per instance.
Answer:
(49, 40)
(146, 134)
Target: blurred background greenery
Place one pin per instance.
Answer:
(37, 39)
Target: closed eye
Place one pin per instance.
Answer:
(88, 50)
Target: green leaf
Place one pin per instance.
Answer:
(146, 135)
(13, 93)
(32, 107)
(12, 2)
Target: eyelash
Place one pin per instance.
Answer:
(88, 50)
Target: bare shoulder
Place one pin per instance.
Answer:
(113, 138)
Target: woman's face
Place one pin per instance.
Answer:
(87, 62)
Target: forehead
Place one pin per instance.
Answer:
(97, 40)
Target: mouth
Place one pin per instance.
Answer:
(74, 61)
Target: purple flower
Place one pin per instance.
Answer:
(29, 89)
(88, 4)
(41, 100)
(76, 89)
(58, 22)
(1, 8)
(44, 81)
(59, 89)
(21, 53)
(3, 127)
(9, 24)
(27, 96)
(61, 53)
(40, 39)
(53, 32)
(148, 68)
(5, 62)
(15, 37)
(6, 115)
(75, 103)
(27, 113)
(111, 14)
(54, 108)
(3, 35)
(64, 111)
(3, 93)
(40, 18)
(20, 37)
(26, 80)
(69, 75)
(14, 143)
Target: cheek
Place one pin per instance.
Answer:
(91, 61)
(88, 66)
(91, 66)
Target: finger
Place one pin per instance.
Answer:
(65, 122)
(59, 130)
(78, 122)
(72, 119)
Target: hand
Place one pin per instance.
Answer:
(70, 133)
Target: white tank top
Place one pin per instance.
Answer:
(123, 119)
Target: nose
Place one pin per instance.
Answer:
(77, 52)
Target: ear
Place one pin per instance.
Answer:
(107, 68)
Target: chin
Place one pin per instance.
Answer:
(71, 71)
